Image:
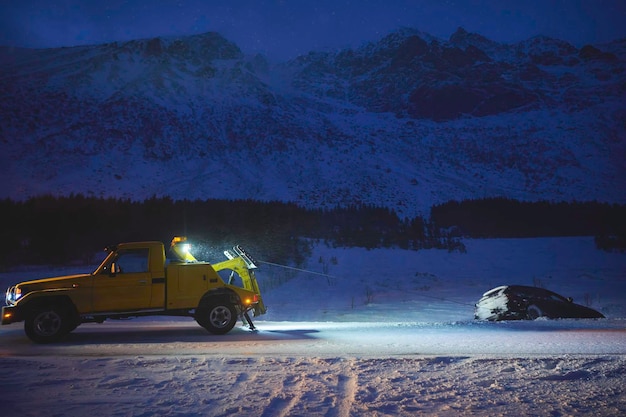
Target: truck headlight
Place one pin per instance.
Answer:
(13, 293)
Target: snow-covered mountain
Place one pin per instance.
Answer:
(404, 122)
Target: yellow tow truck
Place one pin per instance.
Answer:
(138, 279)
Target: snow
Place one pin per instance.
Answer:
(306, 126)
(388, 333)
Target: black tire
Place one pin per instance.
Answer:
(533, 312)
(218, 317)
(46, 324)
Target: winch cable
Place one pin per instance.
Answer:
(299, 269)
(336, 277)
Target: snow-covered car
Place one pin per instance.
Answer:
(519, 302)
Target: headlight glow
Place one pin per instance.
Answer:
(13, 293)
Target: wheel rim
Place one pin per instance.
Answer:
(534, 312)
(220, 316)
(47, 323)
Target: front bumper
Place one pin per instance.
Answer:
(10, 315)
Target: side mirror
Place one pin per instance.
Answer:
(112, 270)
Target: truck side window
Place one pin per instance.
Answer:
(130, 261)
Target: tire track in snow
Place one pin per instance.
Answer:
(347, 388)
(285, 400)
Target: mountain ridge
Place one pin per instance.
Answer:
(404, 122)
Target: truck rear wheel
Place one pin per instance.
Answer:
(47, 324)
(218, 317)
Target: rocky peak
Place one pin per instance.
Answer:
(210, 45)
(543, 50)
(464, 39)
(590, 53)
(153, 47)
(204, 47)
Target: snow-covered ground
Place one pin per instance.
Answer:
(383, 333)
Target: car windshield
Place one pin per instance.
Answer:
(556, 297)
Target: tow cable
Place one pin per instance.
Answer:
(340, 278)
(299, 269)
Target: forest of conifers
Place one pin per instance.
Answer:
(75, 228)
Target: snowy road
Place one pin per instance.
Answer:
(175, 368)
(185, 337)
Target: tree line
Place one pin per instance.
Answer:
(505, 218)
(75, 228)
(58, 230)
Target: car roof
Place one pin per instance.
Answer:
(529, 289)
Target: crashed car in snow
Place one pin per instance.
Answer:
(519, 302)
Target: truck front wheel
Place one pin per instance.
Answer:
(217, 317)
(46, 324)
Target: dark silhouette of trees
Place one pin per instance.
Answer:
(502, 217)
(75, 228)
(58, 230)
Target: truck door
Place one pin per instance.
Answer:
(125, 283)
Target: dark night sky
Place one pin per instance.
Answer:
(285, 29)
